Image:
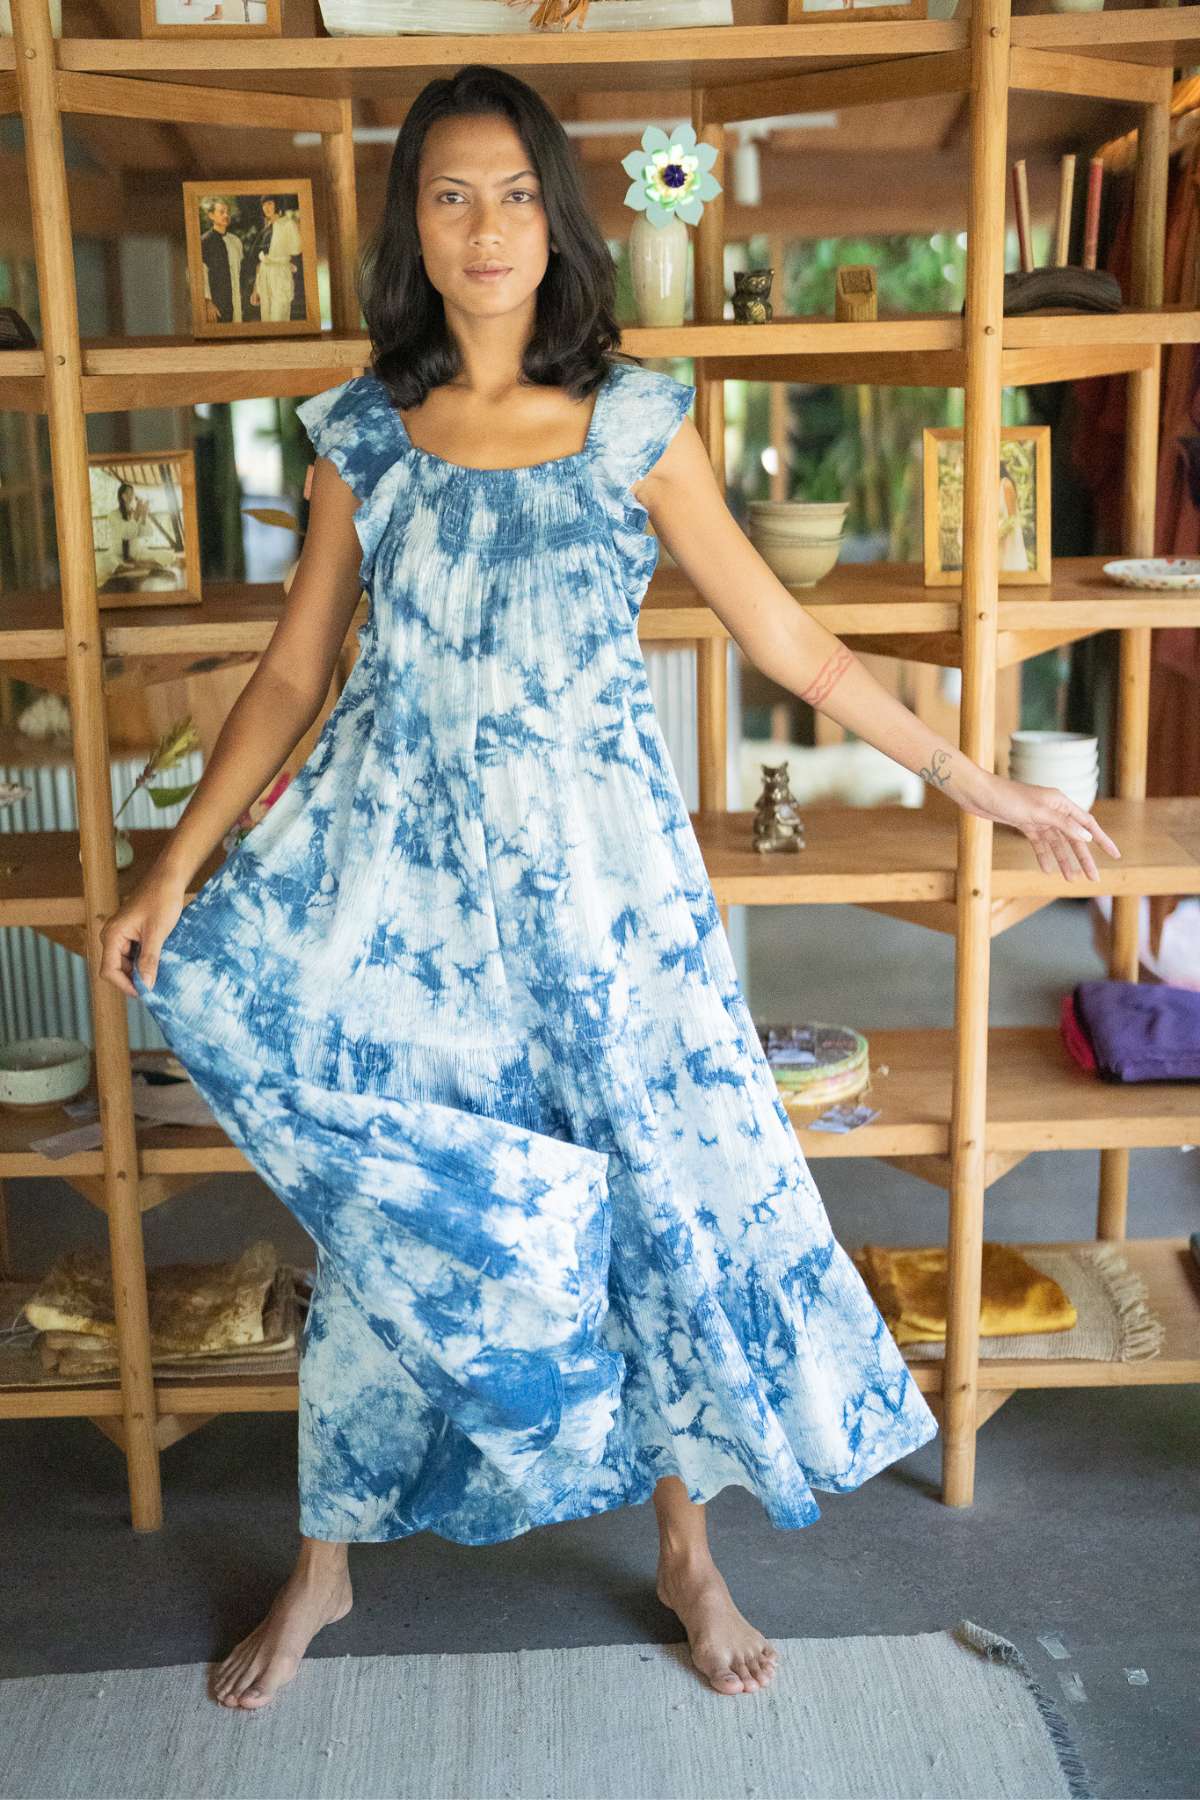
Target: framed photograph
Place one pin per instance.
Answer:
(212, 18)
(1024, 505)
(251, 258)
(145, 531)
(855, 9)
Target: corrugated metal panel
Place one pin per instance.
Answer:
(44, 989)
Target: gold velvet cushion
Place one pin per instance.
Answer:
(909, 1288)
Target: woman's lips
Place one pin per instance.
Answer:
(487, 274)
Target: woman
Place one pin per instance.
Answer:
(1013, 554)
(463, 996)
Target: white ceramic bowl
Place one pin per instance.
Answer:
(808, 519)
(1048, 754)
(1048, 776)
(43, 1071)
(801, 565)
(1037, 768)
(1062, 742)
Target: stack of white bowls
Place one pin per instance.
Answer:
(1069, 760)
(798, 539)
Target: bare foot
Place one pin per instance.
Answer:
(316, 1593)
(725, 1647)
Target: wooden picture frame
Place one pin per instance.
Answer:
(158, 563)
(187, 18)
(1025, 481)
(801, 11)
(234, 277)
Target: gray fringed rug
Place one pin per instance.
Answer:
(932, 1717)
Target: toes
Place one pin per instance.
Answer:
(727, 1680)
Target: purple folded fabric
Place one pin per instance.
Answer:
(1142, 1031)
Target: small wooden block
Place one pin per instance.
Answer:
(855, 293)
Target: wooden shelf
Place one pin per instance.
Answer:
(1168, 38)
(560, 63)
(887, 605)
(1172, 1293)
(585, 61)
(1038, 1099)
(222, 1393)
(1164, 1264)
(894, 854)
(936, 1099)
(125, 374)
(920, 349)
(861, 855)
(234, 619)
(46, 887)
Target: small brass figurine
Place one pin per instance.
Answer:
(751, 296)
(777, 824)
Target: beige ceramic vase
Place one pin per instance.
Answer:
(658, 262)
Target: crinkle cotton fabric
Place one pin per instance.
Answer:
(464, 1000)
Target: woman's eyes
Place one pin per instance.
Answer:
(453, 194)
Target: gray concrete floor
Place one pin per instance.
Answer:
(1083, 1526)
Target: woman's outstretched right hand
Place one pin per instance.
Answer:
(145, 919)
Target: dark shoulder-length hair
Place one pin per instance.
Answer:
(412, 347)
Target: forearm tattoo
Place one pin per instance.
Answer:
(938, 770)
(827, 676)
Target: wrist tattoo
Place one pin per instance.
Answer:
(938, 770)
(827, 676)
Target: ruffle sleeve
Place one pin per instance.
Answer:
(643, 411)
(354, 426)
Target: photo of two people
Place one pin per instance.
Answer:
(251, 258)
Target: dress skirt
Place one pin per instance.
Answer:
(463, 999)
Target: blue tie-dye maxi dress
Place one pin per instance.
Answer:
(464, 1000)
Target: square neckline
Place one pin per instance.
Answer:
(553, 462)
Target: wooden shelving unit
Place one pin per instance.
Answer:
(960, 1105)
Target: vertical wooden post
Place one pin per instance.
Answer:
(337, 148)
(1141, 484)
(708, 287)
(983, 339)
(34, 50)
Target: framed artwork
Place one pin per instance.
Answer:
(251, 258)
(145, 532)
(1024, 505)
(827, 10)
(212, 18)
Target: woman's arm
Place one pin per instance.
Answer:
(288, 687)
(784, 640)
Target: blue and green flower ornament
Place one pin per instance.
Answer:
(671, 178)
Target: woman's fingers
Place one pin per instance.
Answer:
(1098, 832)
(116, 940)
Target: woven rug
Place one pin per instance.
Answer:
(935, 1716)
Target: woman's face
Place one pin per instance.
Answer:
(479, 202)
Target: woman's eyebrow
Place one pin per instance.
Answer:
(500, 179)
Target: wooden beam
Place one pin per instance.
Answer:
(177, 103)
(1090, 77)
(863, 84)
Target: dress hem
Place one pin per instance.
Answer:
(641, 1490)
